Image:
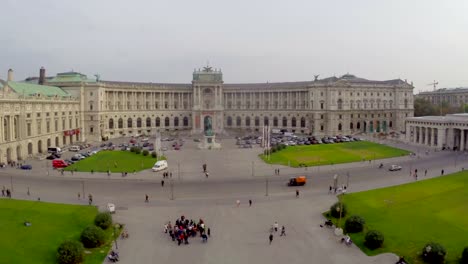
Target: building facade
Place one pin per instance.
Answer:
(454, 96)
(330, 106)
(35, 117)
(440, 132)
(110, 109)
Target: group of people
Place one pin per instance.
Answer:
(274, 229)
(167, 174)
(184, 229)
(6, 192)
(337, 189)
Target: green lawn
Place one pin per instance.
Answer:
(51, 225)
(413, 214)
(115, 161)
(327, 154)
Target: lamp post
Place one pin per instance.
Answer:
(115, 237)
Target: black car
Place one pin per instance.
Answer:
(26, 167)
(53, 156)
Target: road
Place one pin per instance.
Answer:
(241, 233)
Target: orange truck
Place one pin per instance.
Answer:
(297, 181)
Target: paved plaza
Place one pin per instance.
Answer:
(239, 234)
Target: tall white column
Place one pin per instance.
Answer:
(428, 141)
(462, 140)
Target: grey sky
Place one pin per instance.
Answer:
(251, 40)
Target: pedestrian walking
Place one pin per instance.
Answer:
(278, 171)
(425, 173)
(162, 183)
(3, 192)
(275, 225)
(90, 199)
(283, 231)
(79, 196)
(206, 174)
(208, 231)
(204, 167)
(146, 198)
(250, 203)
(330, 189)
(270, 238)
(238, 203)
(297, 193)
(442, 172)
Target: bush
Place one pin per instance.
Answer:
(464, 258)
(92, 236)
(132, 149)
(70, 252)
(137, 150)
(103, 220)
(336, 208)
(154, 155)
(145, 152)
(373, 240)
(433, 253)
(354, 224)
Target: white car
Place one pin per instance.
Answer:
(394, 168)
(111, 208)
(160, 165)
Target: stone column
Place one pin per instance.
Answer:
(428, 140)
(462, 139)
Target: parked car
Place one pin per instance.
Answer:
(26, 167)
(74, 148)
(53, 156)
(59, 163)
(160, 165)
(111, 208)
(394, 168)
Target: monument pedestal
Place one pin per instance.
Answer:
(209, 143)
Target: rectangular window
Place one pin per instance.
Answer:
(29, 129)
(48, 126)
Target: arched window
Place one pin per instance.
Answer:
(166, 121)
(158, 122)
(148, 122)
(247, 121)
(275, 121)
(185, 121)
(138, 122)
(390, 124)
(229, 121)
(238, 121)
(351, 104)
(339, 127)
(303, 122)
(358, 126)
(257, 121)
(358, 104)
(285, 121)
(120, 123)
(390, 104)
(266, 121)
(176, 121)
(111, 123)
(129, 123)
(293, 122)
(340, 104)
(351, 126)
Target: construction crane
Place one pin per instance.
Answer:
(434, 84)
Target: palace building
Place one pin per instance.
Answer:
(109, 109)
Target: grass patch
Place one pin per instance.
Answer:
(51, 225)
(411, 215)
(115, 161)
(328, 154)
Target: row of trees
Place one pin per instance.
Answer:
(425, 108)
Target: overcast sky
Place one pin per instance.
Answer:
(250, 40)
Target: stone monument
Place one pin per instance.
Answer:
(208, 135)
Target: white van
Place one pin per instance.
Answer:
(74, 148)
(54, 150)
(160, 165)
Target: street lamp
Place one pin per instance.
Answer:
(115, 237)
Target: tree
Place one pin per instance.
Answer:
(103, 220)
(434, 253)
(373, 239)
(354, 224)
(70, 252)
(424, 107)
(92, 236)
